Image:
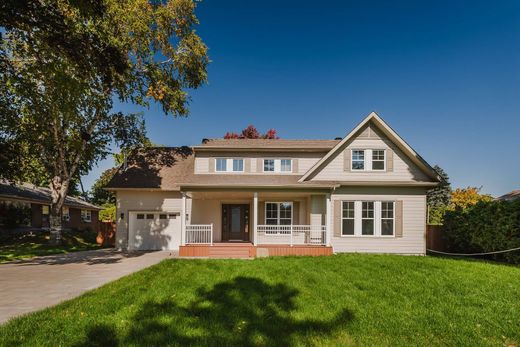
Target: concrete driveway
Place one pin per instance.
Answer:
(33, 284)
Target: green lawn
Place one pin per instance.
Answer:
(37, 244)
(364, 300)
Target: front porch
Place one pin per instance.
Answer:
(250, 224)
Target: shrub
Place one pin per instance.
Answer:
(486, 226)
(108, 214)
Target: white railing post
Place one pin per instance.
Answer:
(183, 219)
(291, 235)
(255, 218)
(211, 235)
(328, 219)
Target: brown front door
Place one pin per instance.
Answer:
(235, 222)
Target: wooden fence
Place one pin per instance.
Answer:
(435, 238)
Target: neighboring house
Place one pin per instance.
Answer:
(515, 194)
(31, 203)
(363, 193)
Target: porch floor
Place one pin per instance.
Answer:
(248, 250)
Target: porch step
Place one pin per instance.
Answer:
(225, 250)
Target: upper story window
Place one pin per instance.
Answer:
(277, 165)
(229, 165)
(368, 160)
(286, 165)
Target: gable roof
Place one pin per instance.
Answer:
(513, 195)
(41, 195)
(391, 134)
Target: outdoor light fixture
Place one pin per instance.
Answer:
(122, 216)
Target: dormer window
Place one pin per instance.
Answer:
(368, 160)
(277, 165)
(229, 165)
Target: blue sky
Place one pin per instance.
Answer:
(444, 74)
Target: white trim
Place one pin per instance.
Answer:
(229, 165)
(278, 203)
(358, 219)
(391, 134)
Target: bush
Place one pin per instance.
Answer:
(15, 215)
(486, 226)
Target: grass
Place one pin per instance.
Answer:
(21, 246)
(355, 300)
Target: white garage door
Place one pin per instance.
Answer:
(154, 230)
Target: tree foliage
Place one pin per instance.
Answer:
(462, 198)
(477, 224)
(252, 133)
(438, 198)
(62, 63)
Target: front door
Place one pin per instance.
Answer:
(235, 222)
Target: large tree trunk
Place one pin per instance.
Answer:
(59, 187)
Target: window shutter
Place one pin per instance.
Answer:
(296, 212)
(295, 165)
(337, 217)
(247, 165)
(259, 165)
(211, 166)
(261, 213)
(389, 160)
(346, 160)
(399, 218)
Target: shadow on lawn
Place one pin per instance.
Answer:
(242, 312)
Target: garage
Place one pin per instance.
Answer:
(154, 230)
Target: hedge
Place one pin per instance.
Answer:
(485, 227)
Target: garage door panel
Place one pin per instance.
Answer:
(154, 231)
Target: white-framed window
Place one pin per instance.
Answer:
(358, 160)
(285, 165)
(387, 218)
(278, 213)
(278, 165)
(368, 160)
(65, 213)
(221, 165)
(86, 216)
(229, 165)
(348, 218)
(238, 165)
(367, 218)
(268, 165)
(378, 159)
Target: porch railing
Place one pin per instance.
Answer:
(294, 234)
(199, 234)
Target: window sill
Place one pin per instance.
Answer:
(368, 236)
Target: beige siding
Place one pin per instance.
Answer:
(143, 201)
(305, 161)
(207, 212)
(402, 170)
(414, 222)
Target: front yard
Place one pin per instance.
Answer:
(337, 300)
(20, 246)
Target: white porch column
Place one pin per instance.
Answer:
(183, 219)
(255, 218)
(328, 220)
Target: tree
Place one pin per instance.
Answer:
(99, 195)
(59, 107)
(462, 198)
(438, 198)
(252, 133)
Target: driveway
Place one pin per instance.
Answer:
(33, 284)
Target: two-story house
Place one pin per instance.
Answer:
(365, 192)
